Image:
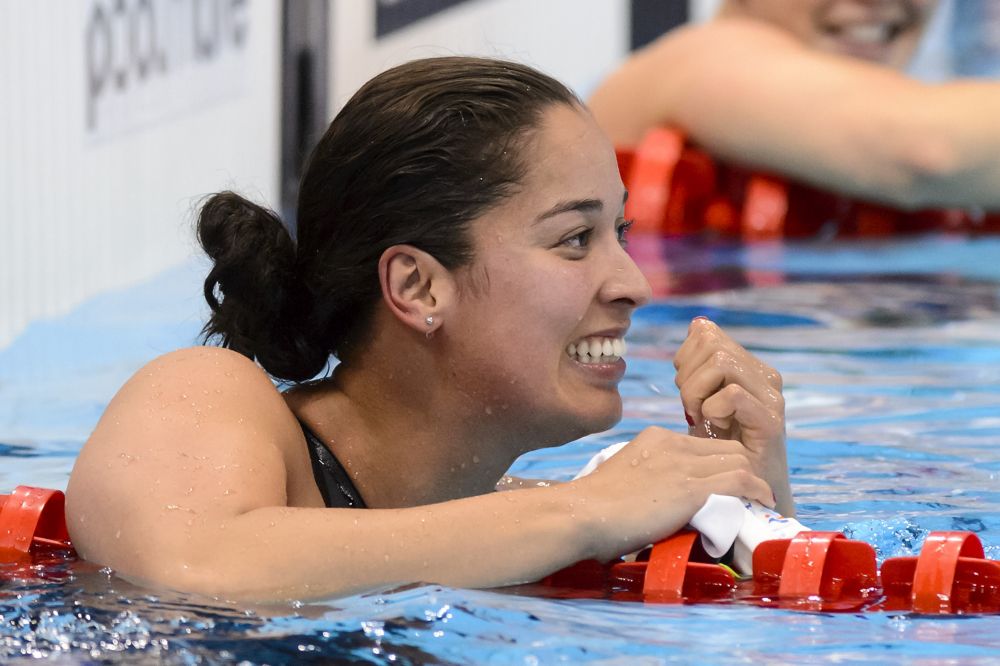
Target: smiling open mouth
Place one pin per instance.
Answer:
(597, 350)
(878, 30)
(867, 33)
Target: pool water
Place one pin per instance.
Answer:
(891, 357)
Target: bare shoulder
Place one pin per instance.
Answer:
(211, 364)
(203, 429)
(715, 50)
(204, 382)
(662, 82)
(722, 36)
(180, 398)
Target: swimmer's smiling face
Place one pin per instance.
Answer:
(551, 273)
(881, 31)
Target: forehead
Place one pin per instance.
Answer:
(568, 156)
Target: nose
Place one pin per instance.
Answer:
(625, 283)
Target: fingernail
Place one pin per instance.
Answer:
(689, 419)
(700, 317)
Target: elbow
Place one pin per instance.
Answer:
(210, 581)
(166, 567)
(927, 174)
(220, 573)
(239, 571)
(201, 576)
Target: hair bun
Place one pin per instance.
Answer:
(252, 291)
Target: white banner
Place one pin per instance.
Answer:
(149, 60)
(117, 116)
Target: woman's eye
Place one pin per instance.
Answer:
(579, 240)
(623, 231)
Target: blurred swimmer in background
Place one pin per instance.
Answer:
(814, 90)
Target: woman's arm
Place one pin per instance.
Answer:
(186, 480)
(752, 94)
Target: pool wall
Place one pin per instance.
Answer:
(119, 116)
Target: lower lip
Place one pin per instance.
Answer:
(610, 372)
(863, 51)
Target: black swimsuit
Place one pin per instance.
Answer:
(334, 483)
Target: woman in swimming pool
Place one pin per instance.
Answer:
(460, 251)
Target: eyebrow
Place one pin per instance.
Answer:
(576, 205)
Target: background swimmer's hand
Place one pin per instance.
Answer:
(654, 485)
(729, 393)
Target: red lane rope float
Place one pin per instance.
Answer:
(676, 188)
(817, 571)
(765, 208)
(674, 570)
(32, 519)
(651, 173)
(951, 575)
(672, 576)
(814, 571)
(935, 574)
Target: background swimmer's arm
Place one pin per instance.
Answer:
(750, 93)
(186, 480)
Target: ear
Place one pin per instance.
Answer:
(416, 287)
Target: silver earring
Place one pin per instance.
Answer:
(429, 321)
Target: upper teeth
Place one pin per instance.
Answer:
(868, 33)
(597, 350)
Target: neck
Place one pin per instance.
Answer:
(405, 438)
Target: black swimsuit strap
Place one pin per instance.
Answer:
(334, 483)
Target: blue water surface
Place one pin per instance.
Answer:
(890, 353)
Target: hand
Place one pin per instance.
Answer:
(729, 393)
(655, 484)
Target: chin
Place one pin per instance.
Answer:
(568, 423)
(593, 422)
(573, 427)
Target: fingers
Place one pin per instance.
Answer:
(655, 438)
(728, 392)
(659, 480)
(706, 343)
(740, 483)
(688, 456)
(734, 404)
(720, 389)
(703, 467)
(709, 362)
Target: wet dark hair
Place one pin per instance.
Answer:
(416, 154)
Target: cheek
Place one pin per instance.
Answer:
(522, 322)
(544, 303)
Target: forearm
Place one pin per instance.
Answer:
(963, 166)
(282, 553)
(508, 482)
(754, 96)
(877, 136)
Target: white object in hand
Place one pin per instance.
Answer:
(724, 521)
